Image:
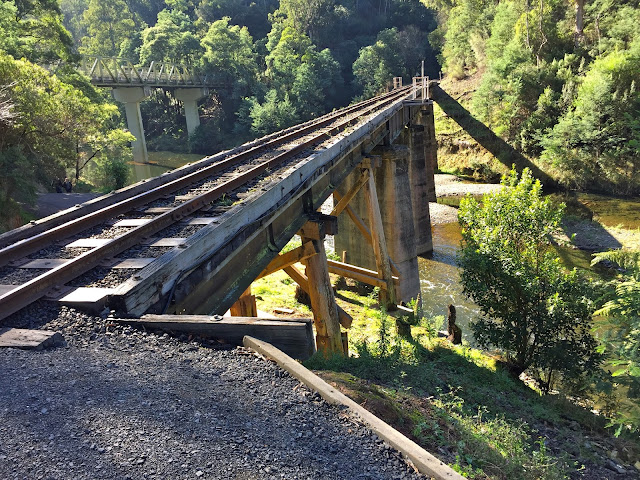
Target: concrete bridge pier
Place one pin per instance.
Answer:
(394, 197)
(396, 208)
(420, 182)
(131, 97)
(189, 98)
(425, 118)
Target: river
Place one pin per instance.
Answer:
(439, 274)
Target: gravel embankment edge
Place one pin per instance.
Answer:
(425, 462)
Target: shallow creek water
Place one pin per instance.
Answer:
(160, 162)
(439, 274)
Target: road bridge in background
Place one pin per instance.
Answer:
(131, 84)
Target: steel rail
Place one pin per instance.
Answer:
(33, 244)
(37, 287)
(26, 231)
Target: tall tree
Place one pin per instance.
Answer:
(52, 126)
(34, 30)
(171, 39)
(532, 309)
(308, 16)
(228, 52)
(108, 23)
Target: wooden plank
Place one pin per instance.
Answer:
(374, 281)
(7, 288)
(286, 259)
(379, 242)
(134, 263)
(200, 221)
(245, 306)
(45, 263)
(167, 242)
(29, 339)
(184, 198)
(88, 298)
(284, 311)
(360, 274)
(88, 243)
(157, 210)
(293, 335)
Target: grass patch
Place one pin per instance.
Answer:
(459, 403)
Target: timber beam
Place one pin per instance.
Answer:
(364, 275)
(293, 335)
(323, 302)
(289, 258)
(245, 306)
(303, 282)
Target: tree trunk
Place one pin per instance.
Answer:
(579, 21)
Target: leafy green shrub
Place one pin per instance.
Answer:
(622, 308)
(535, 311)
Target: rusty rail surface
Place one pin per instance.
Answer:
(34, 289)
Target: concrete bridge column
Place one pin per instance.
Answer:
(426, 119)
(349, 239)
(394, 195)
(189, 98)
(131, 97)
(413, 137)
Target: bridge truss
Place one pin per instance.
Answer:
(115, 71)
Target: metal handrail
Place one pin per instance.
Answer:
(111, 71)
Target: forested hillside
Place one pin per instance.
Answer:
(283, 62)
(557, 79)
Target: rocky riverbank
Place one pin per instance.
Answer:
(581, 233)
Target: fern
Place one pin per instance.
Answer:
(627, 259)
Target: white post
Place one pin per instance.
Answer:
(131, 97)
(189, 98)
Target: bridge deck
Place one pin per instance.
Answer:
(216, 222)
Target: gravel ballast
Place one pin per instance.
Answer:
(120, 403)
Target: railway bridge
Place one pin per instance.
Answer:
(183, 248)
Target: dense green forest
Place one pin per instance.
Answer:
(557, 79)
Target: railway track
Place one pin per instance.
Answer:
(107, 246)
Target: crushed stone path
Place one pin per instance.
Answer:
(118, 403)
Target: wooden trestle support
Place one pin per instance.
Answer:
(328, 317)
